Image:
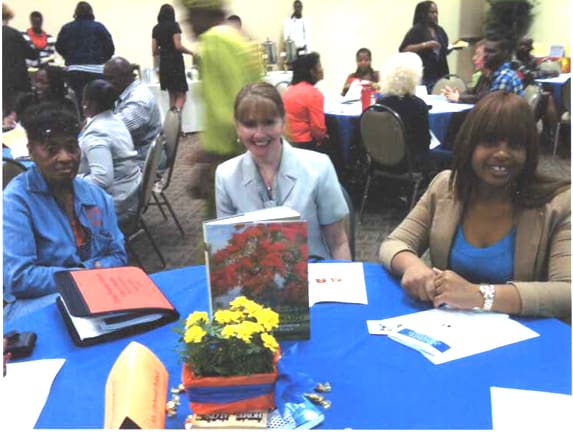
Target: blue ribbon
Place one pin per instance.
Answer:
(226, 394)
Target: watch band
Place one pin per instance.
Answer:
(488, 294)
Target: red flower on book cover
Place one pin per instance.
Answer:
(267, 261)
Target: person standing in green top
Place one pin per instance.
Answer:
(227, 63)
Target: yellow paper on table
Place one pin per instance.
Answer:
(136, 390)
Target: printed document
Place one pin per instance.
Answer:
(337, 282)
(442, 335)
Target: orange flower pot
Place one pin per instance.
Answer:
(235, 394)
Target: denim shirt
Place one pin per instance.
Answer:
(38, 237)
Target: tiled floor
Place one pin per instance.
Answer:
(380, 217)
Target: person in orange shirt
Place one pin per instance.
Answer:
(364, 70)
(304, 104)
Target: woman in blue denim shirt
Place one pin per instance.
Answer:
(53, 221)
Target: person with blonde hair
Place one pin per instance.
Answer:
(399, 76)
(272, 173)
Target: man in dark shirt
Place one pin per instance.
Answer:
(15, 51)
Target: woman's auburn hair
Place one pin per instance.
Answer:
(502, 116)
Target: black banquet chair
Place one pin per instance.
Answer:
(170, 134)
(450, 80)
(385, 145)
(136, 225)
(10, 169)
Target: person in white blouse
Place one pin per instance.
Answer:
(296, 28)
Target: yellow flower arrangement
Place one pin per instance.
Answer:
(237, 341)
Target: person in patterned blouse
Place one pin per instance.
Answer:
(496, 59)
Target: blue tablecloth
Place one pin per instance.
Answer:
(376, 382)
(345, 127)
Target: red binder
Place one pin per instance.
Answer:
(107, 303)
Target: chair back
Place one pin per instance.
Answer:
(532, 94)
(10, 169)
(171, 133)
(566, 95)
(281, 86)
(450, 80)
(150, 173)
(382, 133)
(350, 222)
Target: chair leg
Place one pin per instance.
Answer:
(166, 202)
(152, 241)
(415, 194)
(556, 139)
(158, 203)
(133, 254)
(364, 197)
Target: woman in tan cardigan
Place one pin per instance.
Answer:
(499, 233)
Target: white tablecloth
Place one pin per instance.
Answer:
(275, 77)
(333, 105)
(192, 118)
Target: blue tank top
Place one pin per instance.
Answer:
(491, 264)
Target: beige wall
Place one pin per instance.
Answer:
(338, 27)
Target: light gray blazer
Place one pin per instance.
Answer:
(306, 182)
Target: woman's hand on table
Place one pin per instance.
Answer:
(455, 291)
(452, 95)
(418, 281)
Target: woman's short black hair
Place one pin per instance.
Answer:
(48, 119)
(364, 50)
(100, 95)
(166, 14)
(57, 88)
(302, 66)
(421, 11)
(84, 11)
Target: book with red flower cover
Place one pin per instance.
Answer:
(262, 255)
(106, 303)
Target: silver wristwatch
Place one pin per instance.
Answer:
(488, 294)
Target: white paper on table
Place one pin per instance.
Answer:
(421, 91)
(25, 389)
(443, 335)
(338, 282)
(515, 410)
